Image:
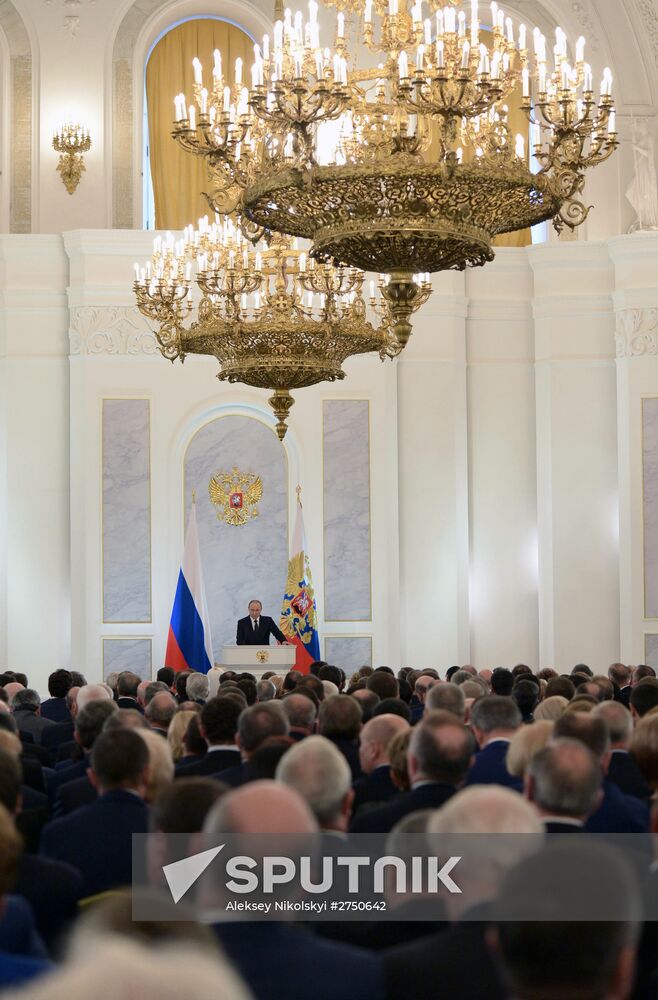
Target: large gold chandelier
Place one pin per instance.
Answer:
(272, 316)
(407, 164)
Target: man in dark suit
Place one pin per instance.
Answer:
(339, 720)
(89, 724)
(376, 786)
(256, 725)
(218, 724)
(622, 769)
(291, 963)
(59, 684)
(26, 706)
(97, 839)
(127, 684)
(256, 628)
(620, 675)
(438, 758)
(563, 781)
(494, 720)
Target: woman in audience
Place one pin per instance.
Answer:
(161, 764)
(551, 708)
(525, 743)
(176, 733)
(397, 751)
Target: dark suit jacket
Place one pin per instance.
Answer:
(31, 723)
(53, 890)
(73, 795)
(33, 817)
(489, 767)
(33, 775)
(16, 970)
(383, 818)
(75, 769)
(350, 752)
(624, 772)
(18, 930)
(618, 813)
(624, 695)
(556, 826)
(130, 703)
(211, 762)
(97, 840)
(233, 776)
(373, 789)
(281, 962)
(55, 709)
(246, 636)
(54, 736)
(453, 963)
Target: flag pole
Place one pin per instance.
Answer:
(299, 494)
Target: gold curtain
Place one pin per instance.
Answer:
(179, 177)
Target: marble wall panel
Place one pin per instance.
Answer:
(650, 500)
(651, 650)
(346, 469)
(247, 561)
(351, 652)
(127, 654)
(126, 511)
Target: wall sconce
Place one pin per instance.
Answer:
(71, 141)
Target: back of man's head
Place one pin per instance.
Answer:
(166, 675)
(119, 759)
(486, 809)
(547, 955)
(460, 676)
(502, 681)
(89, 693)
(383, 684)
(259, 722)
(644, 696)
(127, 684)
(59, 683)
(219, 720)
(161, 710)
(329, 672)
(153, 688)
(318, 771)
(368, 700)
(340, 717)
(440, 749)
(197, 686)
(618, 720)
(300, 711)
(526, 695)
(25, 699)
(90, 720)
(447, 698)
(495, 713)
(265, 691)
(392, 706)
(619, 674)
(589, 729)
(641, 671)
(562, 686)
(377, 734)
(182, 807)
(564, 779)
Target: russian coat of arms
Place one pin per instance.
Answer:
(236, 495)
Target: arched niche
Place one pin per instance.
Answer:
(18, 114)
(142, 23)
(240, 562)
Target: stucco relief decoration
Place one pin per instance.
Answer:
(650, 22)
(71, 11)
(110, 330)
(583, 14)
(637, 333)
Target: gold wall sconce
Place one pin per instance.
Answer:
(71, 141)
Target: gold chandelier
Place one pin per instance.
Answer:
(272, 316)
(410, 165)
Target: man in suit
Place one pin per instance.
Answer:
(160, 711)
(89, 723)
(438, 758)
(127, 684)
(301, 712)
(97, 839)
(256, 628)
(494, 720)
(26, 706)
(447, 697)
(319, 773)
(339, 719)
(59, 684)
(457, 956)
(620, 675)
(563, 781)
(616, 813)
(622, 769)
(256, 725)
(376, 786)
(290, 962)
(218, 724)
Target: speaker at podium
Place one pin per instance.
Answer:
(259, 659)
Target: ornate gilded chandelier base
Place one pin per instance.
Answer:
(281, 402)
(403, 216)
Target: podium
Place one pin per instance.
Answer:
(259, 659)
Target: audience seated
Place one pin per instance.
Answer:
(26, 706)
(321, 776)
(339, 720)
(256, 725)
(301, 713)
(218, 725)
(494, 720)
(55, 708)
(563, 781)
(623, 769)
(376, 785)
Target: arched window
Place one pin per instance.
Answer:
(175, 179)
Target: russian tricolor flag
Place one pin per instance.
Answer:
(298, 620)
(189, 646)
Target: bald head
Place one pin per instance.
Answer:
(91, 692)
(13, 688)
(619, 721)
(259, 807)
(564, 779)
(376, 736)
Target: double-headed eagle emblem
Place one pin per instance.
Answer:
(235, 494)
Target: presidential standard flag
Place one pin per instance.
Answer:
(298, 620)
(189, 646)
